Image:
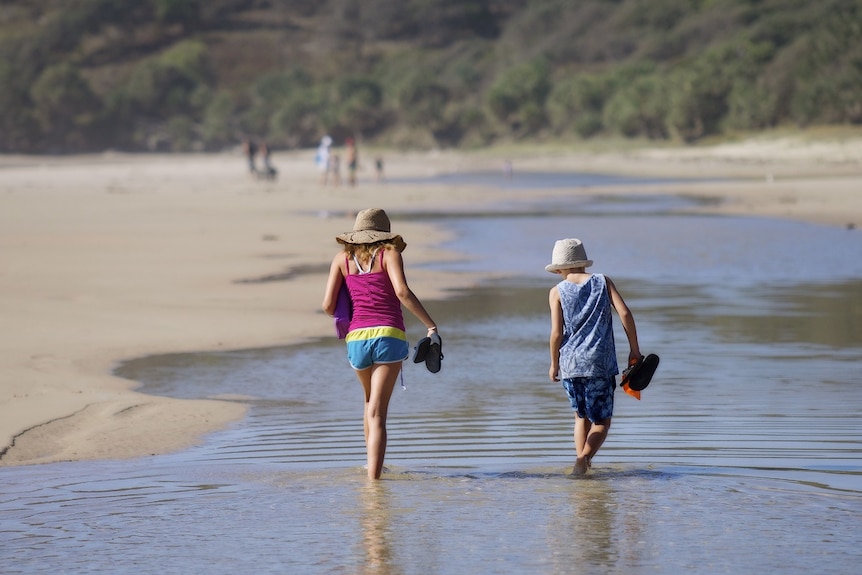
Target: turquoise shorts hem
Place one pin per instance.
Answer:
(364, 353)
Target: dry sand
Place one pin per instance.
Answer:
(110, 257)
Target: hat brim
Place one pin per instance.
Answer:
(568, 265)
(370, 237)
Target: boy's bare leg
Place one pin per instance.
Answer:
(595, 439)
(589, 437)
(582, 429)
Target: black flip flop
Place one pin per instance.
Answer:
(434, 358)
(422, 348)
(639, 375)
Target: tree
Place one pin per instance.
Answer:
(357, 106)
(578, 102)
(64, 105)
(423, 103)
(518, 96)
(640, 108)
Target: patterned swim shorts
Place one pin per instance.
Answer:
(591, 397)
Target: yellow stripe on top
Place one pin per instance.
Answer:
(375, 332)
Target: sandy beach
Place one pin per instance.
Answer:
(110, 257)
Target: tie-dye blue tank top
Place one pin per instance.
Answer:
(588, 348)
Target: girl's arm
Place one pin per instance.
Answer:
(333, 284)
(627, 319)
(556, 339)
(395, 268)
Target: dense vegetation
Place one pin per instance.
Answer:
(79, 75)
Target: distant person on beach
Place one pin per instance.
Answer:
(372, 266)
(249, 148)
(335, 162)
(268, 172)
(583, 353)
(352, 160)
(378, 166)
(321, 159)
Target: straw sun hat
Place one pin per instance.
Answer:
(371, 225)
(568, 254)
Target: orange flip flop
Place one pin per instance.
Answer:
(639, 374)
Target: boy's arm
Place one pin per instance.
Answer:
(556, 333)
(627, 319)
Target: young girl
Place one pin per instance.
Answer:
(583, 353)
(372, 266)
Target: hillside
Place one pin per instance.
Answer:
(86, 75)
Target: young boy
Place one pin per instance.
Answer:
(582, 344)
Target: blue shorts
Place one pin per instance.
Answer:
(371, 345)
(591, 397)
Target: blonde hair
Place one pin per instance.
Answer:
(364, 252)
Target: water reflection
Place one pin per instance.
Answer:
(534, 180)
(376, 529)
(584, 528)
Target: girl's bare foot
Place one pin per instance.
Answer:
(581, 466)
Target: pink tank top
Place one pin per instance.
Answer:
(374, 301)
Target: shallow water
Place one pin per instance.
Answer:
(745, 454)
(532, 180)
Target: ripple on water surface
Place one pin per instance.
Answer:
(743, 456)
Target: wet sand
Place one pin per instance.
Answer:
(111, 257)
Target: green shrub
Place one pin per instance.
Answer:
(163, 85)
(577, 102)
(639, 109)
(357, 107)
(828, 70)
(219, 128)
(63, 104)
(423, 103)
(465, 123)
(752, 105)
(296, 123)
(185, 12)
(700, 90)
(81, 74)
(17, 124)
(180, 133)
(280, 94)
(518, 96)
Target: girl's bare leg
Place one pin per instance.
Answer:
(378, 381)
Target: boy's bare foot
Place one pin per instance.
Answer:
(581, 466)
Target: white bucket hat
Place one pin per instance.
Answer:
(568, 254)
